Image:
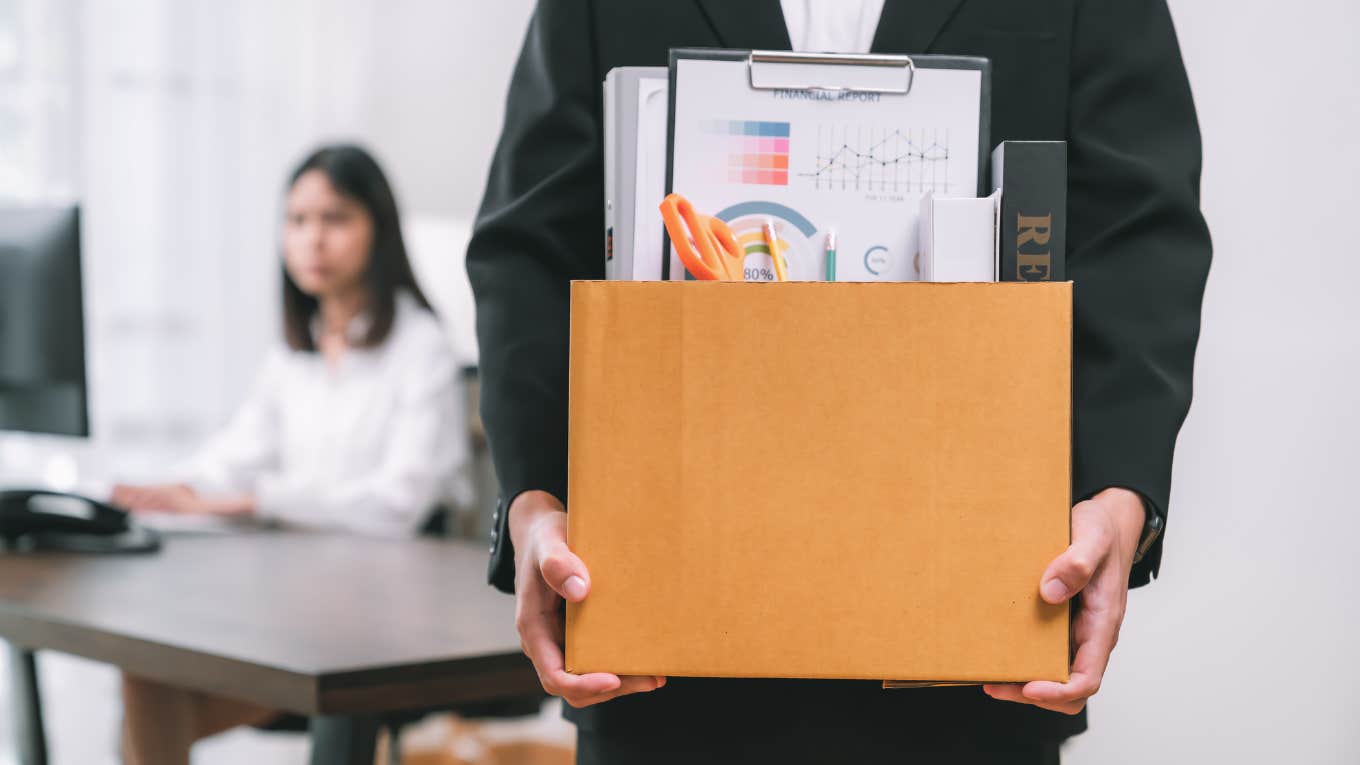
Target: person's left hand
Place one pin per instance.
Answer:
(179, 498)
(1105, 533)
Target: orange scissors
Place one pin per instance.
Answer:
(705, 244)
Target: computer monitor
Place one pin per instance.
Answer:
(42, 381)
(42, 323)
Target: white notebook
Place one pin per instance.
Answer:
(635, 107)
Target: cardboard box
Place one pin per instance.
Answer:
(819, 480)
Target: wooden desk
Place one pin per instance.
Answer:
(338, 628)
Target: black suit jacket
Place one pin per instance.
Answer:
(1104, 75)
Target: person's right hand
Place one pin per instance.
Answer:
(161, 497)
(546, 571)
(179, 498)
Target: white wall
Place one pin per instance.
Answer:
(438, 82)
(440, 75)
(1245, 650)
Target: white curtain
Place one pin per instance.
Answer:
(173, 123)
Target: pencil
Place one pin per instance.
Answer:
(831, 256)
(772, 242)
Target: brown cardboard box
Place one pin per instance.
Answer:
(819, 480)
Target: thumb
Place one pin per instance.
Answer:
(1070, 572)
(563, 571)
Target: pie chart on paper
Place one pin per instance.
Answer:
(797, 237)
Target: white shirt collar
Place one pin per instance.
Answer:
(355, 331)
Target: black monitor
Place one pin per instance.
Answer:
(42, 325)
(42, 381)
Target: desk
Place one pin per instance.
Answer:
(338, 628)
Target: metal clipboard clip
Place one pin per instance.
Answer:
(831, 72)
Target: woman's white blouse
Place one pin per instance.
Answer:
(370, 446)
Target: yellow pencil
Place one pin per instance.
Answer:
(776, 254)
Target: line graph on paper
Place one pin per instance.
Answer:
(880, 159)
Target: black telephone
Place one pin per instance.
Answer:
(40, 519)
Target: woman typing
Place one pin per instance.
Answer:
(353, 423)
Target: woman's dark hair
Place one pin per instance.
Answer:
(355, 174)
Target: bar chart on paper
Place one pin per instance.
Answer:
(816, 163)
(751, 151)
(868, 158)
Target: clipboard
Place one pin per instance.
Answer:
(824, 143)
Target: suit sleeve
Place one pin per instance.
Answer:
(1139, 250)
(539, 227)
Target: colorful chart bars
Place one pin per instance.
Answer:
(757, 152)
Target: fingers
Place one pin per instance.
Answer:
(540, 627)
(546, 655)
(627, 684)
(553, 571)
(1071, 571)
(159, 497)
(1096, 631)
(1014, 692)
(120, 495)
(545, 544)
(539, 636)
(563, 571)
(134, 497)
(1096, 634)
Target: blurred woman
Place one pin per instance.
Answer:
(352, 425)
